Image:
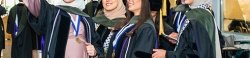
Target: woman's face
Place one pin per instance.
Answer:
(134, 6)
(109, 4)
(68, 1)
(188, 1)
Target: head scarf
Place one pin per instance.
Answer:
(205, 4)
(118, 12)
(77, 3)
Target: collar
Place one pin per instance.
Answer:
(182, 8)
(103, 20)
(135, 19)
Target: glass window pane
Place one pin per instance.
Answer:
(236, 16)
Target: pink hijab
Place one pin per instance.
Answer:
(118, 12)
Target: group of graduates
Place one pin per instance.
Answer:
(113, 29)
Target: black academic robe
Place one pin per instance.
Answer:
(164, 41)
(2, 36)
(196, 36)
(104, 32)
(141, 44)
(25, 40)
(54, 23)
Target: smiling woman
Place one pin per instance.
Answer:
(137, 38)
(109, 5)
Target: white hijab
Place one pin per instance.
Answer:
(77, 3)
(200, 4)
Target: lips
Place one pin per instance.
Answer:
(130, 4)
(108, 4)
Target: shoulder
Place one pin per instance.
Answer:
(99, 18)
(147, 26)
(198, 13)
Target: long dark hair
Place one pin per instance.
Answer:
(145, 14)
(157, 21)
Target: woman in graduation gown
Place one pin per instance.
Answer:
(112, 15)
(24, 38)
(137, 38)
(196, 29)
(68, 32)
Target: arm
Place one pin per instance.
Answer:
(145, 42)
(11, 20)
(167, 28)
(96, 40)
(202, 40)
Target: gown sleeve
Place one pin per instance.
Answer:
(145, 42)
(96, 39)
(167, 28)
(11, 21)
(202, 40)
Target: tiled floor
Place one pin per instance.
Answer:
(7, 50)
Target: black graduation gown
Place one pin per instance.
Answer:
(143, 41)
(169, 24)
(25, 40)
(196, 38)
(2, 36)
(104, 32)
(164, 41)
(54, 23)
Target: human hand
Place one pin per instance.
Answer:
(159, 53)
(174, 37)
(91, 49)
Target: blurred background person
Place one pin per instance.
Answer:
(24, 39)
(2, 36)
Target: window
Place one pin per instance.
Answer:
(236, 16)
